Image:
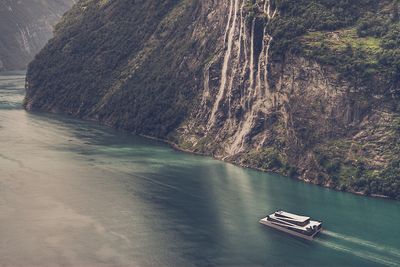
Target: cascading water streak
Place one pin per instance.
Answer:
(225, 67)
(245, 65)
(237, 62)
(256, 98)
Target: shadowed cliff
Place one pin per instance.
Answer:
(25, 28)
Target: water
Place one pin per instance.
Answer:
(73, 193)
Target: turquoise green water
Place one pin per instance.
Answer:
(76, 194)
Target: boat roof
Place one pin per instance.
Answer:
(292, 216)
(291, 225)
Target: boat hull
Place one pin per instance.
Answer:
(267, 223)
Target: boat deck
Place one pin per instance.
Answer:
(286, 222)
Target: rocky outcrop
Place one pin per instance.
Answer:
(25, 28)
(201, 75)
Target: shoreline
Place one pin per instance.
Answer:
(177, 148)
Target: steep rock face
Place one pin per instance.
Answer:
(25, 28)
(201, 74)
(137, 66)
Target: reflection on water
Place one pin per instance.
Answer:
(73, 193)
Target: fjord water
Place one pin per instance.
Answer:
(73, 193)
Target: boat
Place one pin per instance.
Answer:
(297, 225)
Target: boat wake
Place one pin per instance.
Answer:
(364, 249)
(365, 243)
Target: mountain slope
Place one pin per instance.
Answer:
(286, 86)
(25, 28)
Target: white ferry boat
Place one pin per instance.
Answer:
(293, 224)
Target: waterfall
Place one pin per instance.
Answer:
(258, 91)
(267, 61)
(229, 21)
(246, 58)
(253, 25)
(268, 10)
(225, 66)
(236, 66)
(239, 139)
(256, 103)
(244, 66)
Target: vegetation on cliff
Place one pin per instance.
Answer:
(121, 63)
(156, 67)
(360, 38)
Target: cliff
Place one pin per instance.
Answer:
(304, 88)
(25, 28)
